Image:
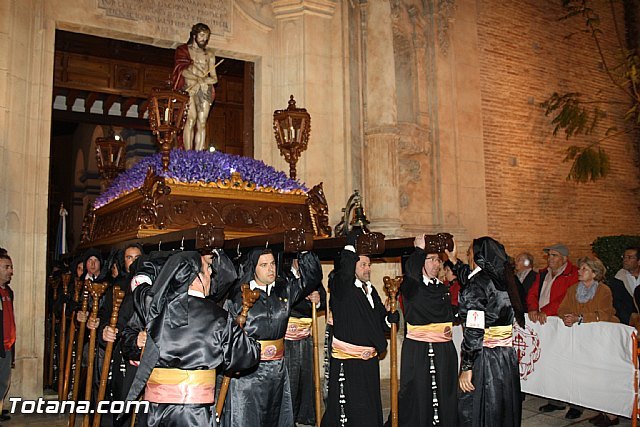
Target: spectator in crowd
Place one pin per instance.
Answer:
(451, 280)
(545, 296)
(525, 275)
(625, 283)
(589, 300)
(8, 330)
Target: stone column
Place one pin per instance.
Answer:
(308, 64)
(381, 190)
(26, 67)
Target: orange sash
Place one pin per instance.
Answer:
(498, 336)
(298, 328)
(271, 349)
(432, 332)
(178, 386)
(345, 350)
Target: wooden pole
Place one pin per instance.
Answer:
(54, 283)
(316, 363)
(249, 297)
(66, 278)
(96, 289)
(118, 296)
(76, 374)
(72, 336)
(391, 286)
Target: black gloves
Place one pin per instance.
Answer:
(352, 237)
(393, 317)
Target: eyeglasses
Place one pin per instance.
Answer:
(434, 259)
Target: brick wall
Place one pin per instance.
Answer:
(524, 58)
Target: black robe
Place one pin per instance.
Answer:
(355, 322)
(496, 400)
(299, 360)
(261, 396)
(188, 333)
(425, 304)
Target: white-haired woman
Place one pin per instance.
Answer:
(590, 300)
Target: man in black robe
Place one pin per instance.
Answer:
(429, 369)
(298, 345)
(261, 396)
(188, 337)
(359, 324)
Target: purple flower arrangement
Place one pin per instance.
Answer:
(200, 167)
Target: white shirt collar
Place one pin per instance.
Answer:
(195, 293)
(475, 271)
(427, 281)
(369, 295)
(265, 288)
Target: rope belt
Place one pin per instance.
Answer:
(178, 386)
(271, 349)
(432, 332)
(298, 328)
(498, 336)
(345, 350)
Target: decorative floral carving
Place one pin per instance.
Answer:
(446, 9)
(152, 190)
(319, 211)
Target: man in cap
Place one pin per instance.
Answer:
(545, 296)
(360, 321)
(188, 337)
(548, 291)
(427, 398)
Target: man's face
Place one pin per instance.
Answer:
(130, 255)
(431, 266)
(265, 270)
(520, 263)
(555, 260)
(630, 260)
(363, 269)
(93, 266)
(202, 39)
(6, 271)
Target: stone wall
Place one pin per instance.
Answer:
(524, 58)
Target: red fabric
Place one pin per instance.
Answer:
(8, 321)
(182, 60)
(454, 291)
(558, 290)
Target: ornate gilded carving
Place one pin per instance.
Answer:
(370, 244)
(297, 240)
(319, 211)
(209, 237)
(157, 205)
(88, 223)
(236, 183)
(153, 189)
(446, 9)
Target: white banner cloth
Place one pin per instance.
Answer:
(589, 365)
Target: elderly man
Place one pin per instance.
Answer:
(8, 330)
(360, 321)
(426, 398)
(525, 275)
(625, 284)
(188, 337)
(546, 295)
(547, 292)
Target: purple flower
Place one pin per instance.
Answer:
(199, 166)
